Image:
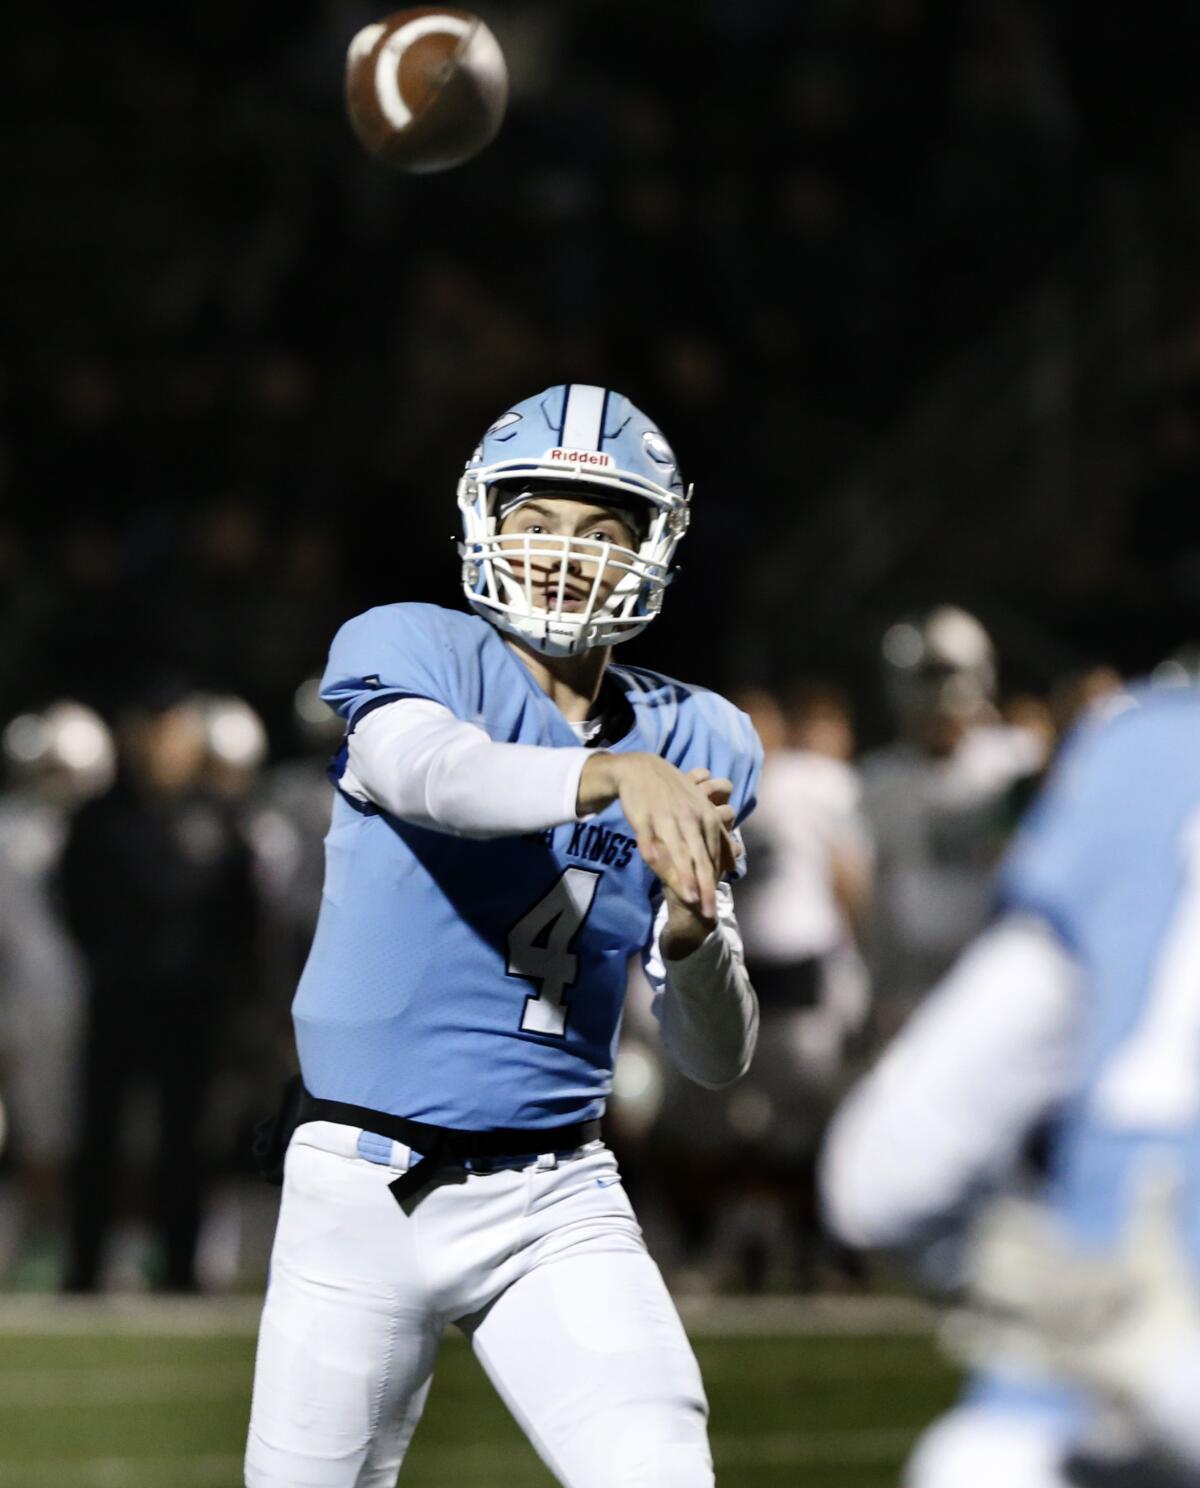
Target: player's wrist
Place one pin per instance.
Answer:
(598, 785)
(685, 931)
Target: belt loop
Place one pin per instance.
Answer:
(547, 1162)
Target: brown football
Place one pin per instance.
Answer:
(426, 88)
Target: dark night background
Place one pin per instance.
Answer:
(911, 285)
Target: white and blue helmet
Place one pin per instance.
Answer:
(593, 444)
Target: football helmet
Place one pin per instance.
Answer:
(939, 662)
(588, 444)
(65, 751)
(1180, 669)
(233, 732)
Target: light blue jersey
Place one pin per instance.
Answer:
(479, 984)
(1110, 856)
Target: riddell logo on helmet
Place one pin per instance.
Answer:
(581, 457)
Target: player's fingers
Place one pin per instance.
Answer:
(712, 831)
(717, 789)
(698, 775)
(643, 830)
(731, 850)
(706, 878)
(726, 815)
(639, 815)
(703, 863)
(647, 845)
(682, 858)
(724, 862)
(671, 879)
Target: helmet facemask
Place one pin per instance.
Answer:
(571, 613)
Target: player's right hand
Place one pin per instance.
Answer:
(679, 829)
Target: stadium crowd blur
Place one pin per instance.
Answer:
(243, 366)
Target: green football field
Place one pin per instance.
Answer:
(143, 1397)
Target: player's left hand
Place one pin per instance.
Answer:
(719, 790)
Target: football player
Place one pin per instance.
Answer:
(938, 802)
(1078, 1013)
(515, 818)
(55, 760)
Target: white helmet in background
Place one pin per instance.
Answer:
(66, 748)
(1180, 669)
(234, 734)
(940, 662)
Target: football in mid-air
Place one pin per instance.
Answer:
(426, 88)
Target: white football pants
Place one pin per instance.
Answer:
(542, 1267)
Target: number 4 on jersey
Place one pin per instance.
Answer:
(539, 948)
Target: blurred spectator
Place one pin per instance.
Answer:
(808, 896)
(1079, 693)
(1025, 710)
(805, 898)
(289, 817)
(235, 746)
(55, 759)
(157, 892)
(939, 802)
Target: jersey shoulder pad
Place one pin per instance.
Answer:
(400, 650)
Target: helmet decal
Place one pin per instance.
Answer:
(505, 421)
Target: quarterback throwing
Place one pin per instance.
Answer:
(515, 818)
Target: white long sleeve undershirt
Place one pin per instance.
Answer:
(704, 1002)
(415, 760)
(987, 1055)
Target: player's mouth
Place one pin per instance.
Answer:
(547, 599)
(546, 596)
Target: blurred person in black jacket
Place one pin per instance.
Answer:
(156, 889)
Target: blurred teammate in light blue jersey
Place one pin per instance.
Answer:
(515, 818)
(1079, 1010)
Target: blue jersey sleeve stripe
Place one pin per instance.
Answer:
(381, 700)
(364, 808)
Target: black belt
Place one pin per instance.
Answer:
(443, 1146)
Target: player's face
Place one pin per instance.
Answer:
(556, 518)
(165, 750)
